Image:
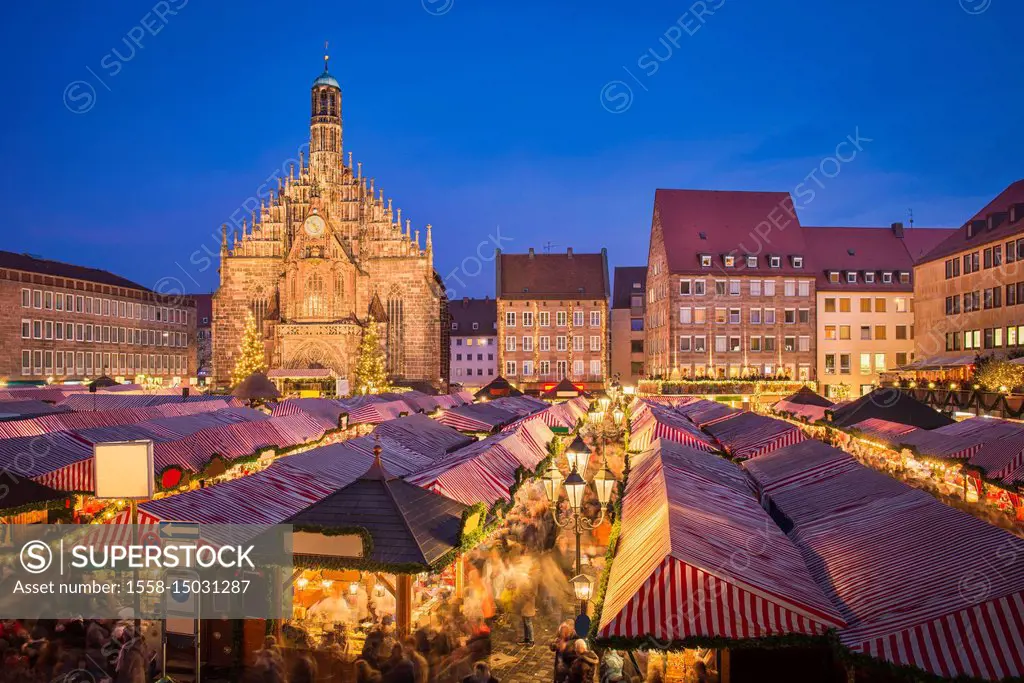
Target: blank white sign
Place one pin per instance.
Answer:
(124, 469)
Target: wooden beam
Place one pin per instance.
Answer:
(403, 608)
(460, 576)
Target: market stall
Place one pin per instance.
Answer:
(959, 610)
(749, 435)
(383, 526)
(677, 581)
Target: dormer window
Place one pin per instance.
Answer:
(751, 262)
(798, 261)
(869, 278)
(887, 278)
(455, 326)
(970, 230)
(851, 277)
(705, 260)
(476, 326)
(775, 261)
(833, 276)
(730, 261)
(904, 278)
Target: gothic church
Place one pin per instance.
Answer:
(324, 256)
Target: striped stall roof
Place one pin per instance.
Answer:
(423, 435)
(989, 427)
(50, 394)
(483, 472)
(375, 412)
(59, 460)
(341, 463)
(929, 444)
(676, 576)
(748, 435)
(1000, 458)
(489, 416)
(325, 411)
(957, 610)
(659, 422)
(703, 412)
(116, 401)
(70, 421)
(807, 411)
(884, 431)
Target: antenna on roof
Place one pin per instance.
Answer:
(548, 245)
(910, 218)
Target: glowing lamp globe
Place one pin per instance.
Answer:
(604, 484)
(552, 482)
(582, 587)
(575, 485)
(578, 455)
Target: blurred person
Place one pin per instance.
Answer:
(584, 666)
(481, 674)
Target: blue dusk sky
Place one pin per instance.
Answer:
(132, 130)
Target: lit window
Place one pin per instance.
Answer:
(833, 276)
(730, 261)
(705, 260)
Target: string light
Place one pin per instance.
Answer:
(327, 583)
(302, 582)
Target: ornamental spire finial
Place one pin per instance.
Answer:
(326, 56)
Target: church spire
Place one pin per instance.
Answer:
(325, 155)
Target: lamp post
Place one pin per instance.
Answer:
(578, 454)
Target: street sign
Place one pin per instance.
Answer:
(179, 531)
(182, 603)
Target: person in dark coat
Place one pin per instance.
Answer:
(399, 668)
(584, 667)
(481, 674)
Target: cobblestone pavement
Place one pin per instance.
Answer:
(513, 662)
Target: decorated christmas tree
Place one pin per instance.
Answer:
(253, 355)
(371, 367)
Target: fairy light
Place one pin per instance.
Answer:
(302, 582)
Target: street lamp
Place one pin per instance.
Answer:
(353, 588)
(617, 416)
(575, 487)
(578, 455)
(583, 588)
(604, 402)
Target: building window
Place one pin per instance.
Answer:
(527, 368)
(510, 343)
(755, 288)
(734, 316)
(798, 261)
(544, 343)
(561, 318)
(705, 260)
(833, 276)
(720, 286)
(685, 343)
(527, 320)
(699, 287)
(685, 315)
(455, 326)
(879, 331)
(595, 318)
(735, 344)
(729, 261)
(721, 344)
(844, 332)
(577, 318)
(769, 344)
(844, 364)
(510, 319)
(769, 287)
(595, 342)
(789, 316)
(700, 316)
(577, 369)
(865, 332)
(869, 278)
(734, 287)
(721, 315)
(775, 261)
(544, 319)
(769, 316)
(851, 277)
(865, 363)
(560, 343)
(527, 343)
(803, 288)
(510, 368)
(830, 333)
(755, 343)
(789, 288)
(700, 344)
(577, 342)
(905, 276)
(545, 368)
(26, 298)
(879, 305)
(685, 287)
(751, 262)
(755, 316)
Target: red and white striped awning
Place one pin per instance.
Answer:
(658, 422)
(703, 412)
(376, 412)
(919, 583)
(748, 435)
(483, 472)
(681, 571)
(807, 411)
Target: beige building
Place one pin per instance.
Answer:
(629, 297)
(553, 319)
(729, 289)
(865, 302)
(321, 259)
(970, 288)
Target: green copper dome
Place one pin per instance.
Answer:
(326, 79)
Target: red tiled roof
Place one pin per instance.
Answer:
(553, 276)
(715, 222)
(464, 312)
(1003, 203)
(920, 241)
(863, 249)
(32, 264)
(623, 289)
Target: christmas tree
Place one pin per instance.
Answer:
(371, 368)
(253, 355)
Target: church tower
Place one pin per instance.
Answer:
(325, 160)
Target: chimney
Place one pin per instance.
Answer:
(531, 252)
(465, 301)
(569, 252)
(996, 219)
(897, 229)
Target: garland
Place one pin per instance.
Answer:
(747, 385)
(54, 504)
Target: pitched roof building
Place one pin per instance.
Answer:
(629, 297)
(969, 289)
(553, 318)
(473, 349)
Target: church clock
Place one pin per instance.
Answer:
(315, 226)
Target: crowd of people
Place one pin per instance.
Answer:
(75, 651)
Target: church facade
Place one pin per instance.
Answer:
(325, 256)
